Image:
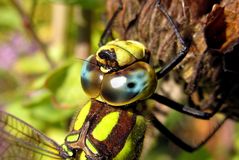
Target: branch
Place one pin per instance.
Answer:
(29, 28)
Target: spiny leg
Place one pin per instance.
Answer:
(179, 142)
(181, 108)
(185, 45)
(170, 103)
(105, 35)
(218, 99)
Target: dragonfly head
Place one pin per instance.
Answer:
(119, 73)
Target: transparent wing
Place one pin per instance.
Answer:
(20, 141)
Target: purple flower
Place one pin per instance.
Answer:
(24, 45)
(7, 56)
(18, 45)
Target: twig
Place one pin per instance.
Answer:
(29, 28)
(33, 9)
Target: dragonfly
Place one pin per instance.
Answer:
(110, 126)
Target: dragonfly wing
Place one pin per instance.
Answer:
(20, 141)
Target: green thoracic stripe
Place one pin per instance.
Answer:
(133, 144)
(91, 147)
(80, 119)
(105, 126)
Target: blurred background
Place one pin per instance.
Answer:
(42, 45)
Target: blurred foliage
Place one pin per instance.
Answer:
(30, 88)
(48, 97)
(89, 4)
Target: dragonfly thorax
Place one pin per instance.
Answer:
(119, 73)
(101, 131)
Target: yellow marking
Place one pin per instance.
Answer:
(91, 147)
(72, 138)
(82, 156)
(66, 149)
(104, 70)
(99, 98)
(131, 146)
(105, 126)
(135, 48)
(80, 119)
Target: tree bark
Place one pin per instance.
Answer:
(210, 71)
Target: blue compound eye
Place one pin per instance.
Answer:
(136, 82)
(91, 77)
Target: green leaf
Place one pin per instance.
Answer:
(65, 85)
(16, 108)
(56, 79)
(9, 87)
(42, 109)
(38, 111)
(7, 82)
(9, 19)
(34, 64)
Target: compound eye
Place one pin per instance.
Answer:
(126, 86)
(91, 77)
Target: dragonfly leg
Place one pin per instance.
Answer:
(89, 154)
(105, 35)
(189, 110)
(176, 140)
(82, 141)
(185, 44)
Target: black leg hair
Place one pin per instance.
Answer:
(185, 45)
(105, 35)
(176, 140)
